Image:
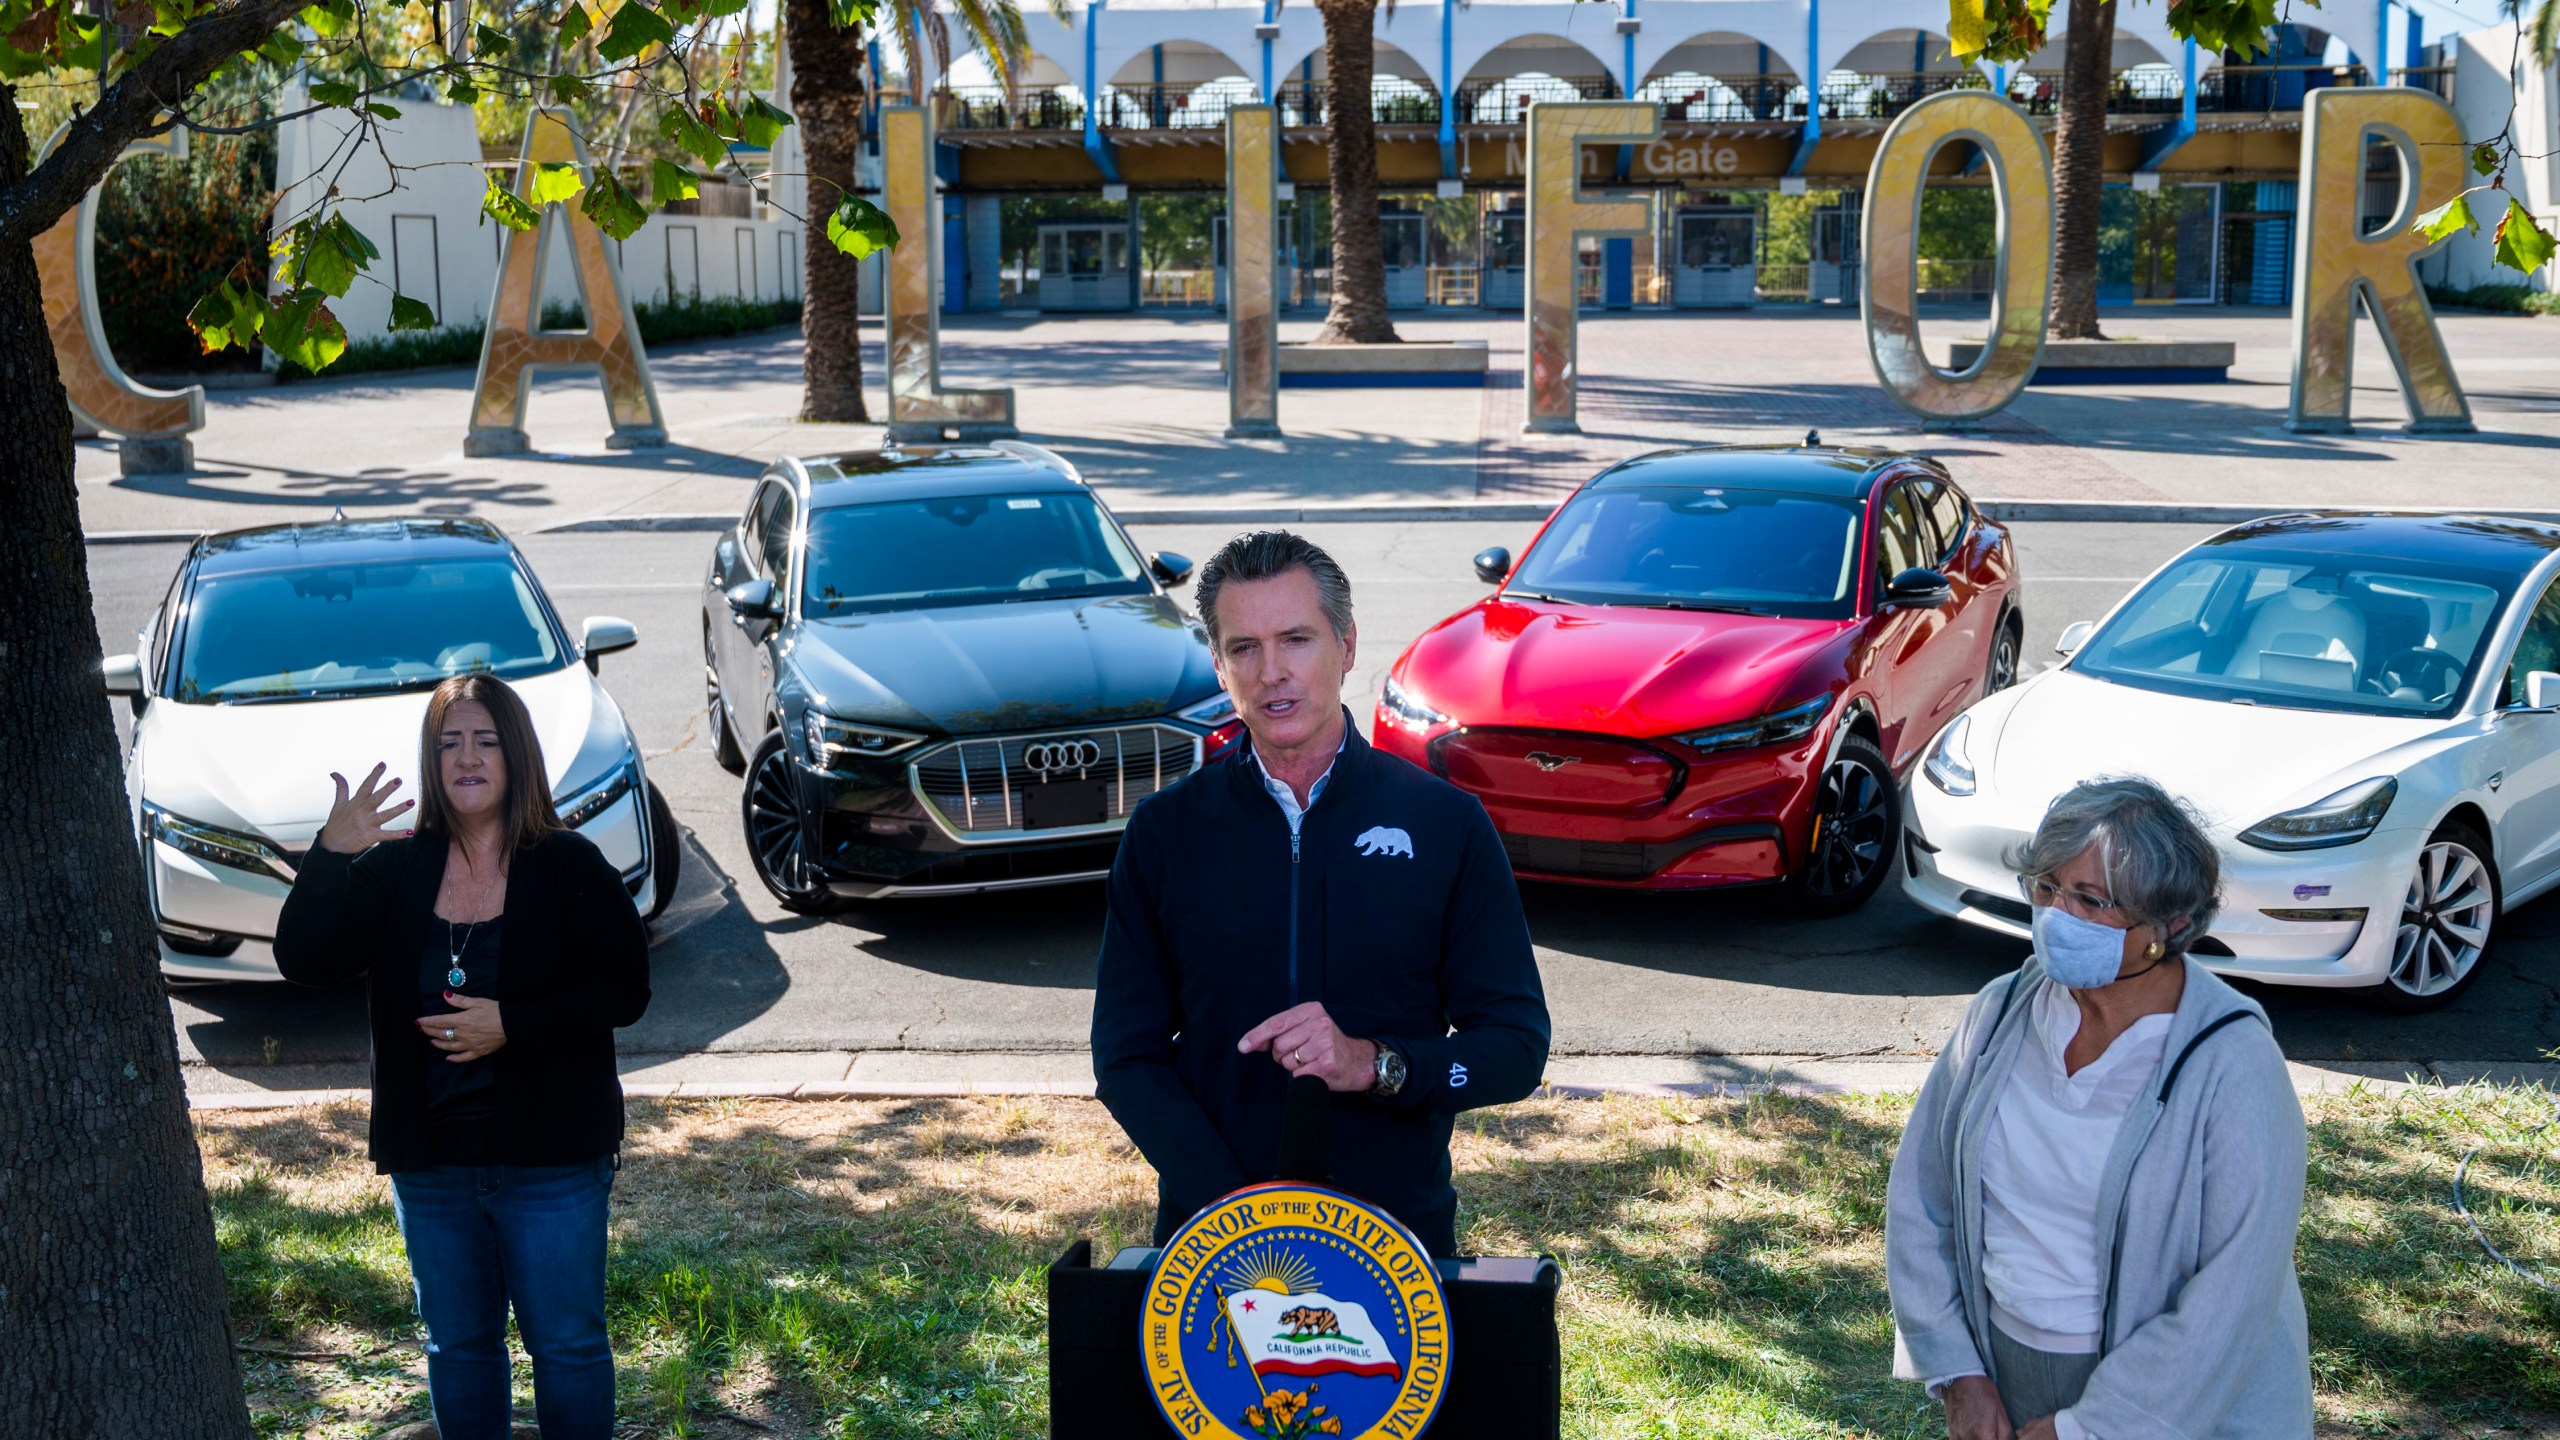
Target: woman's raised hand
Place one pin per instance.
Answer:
(360, 821)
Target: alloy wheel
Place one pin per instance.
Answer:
(2004, 662)
(1852, 820)
(2444, 920)
(774, 830)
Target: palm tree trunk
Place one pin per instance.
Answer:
(112, 1303)
(1358, 315)
(2079, 168)
(826, 98)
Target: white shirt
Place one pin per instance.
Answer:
(1287, 797)
(2042, 1158)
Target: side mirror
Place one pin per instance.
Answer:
(1918, 587)
(1169, 568)
(124, 674)
(753, 600)
(2541, 690)
(604, 634)
(1493, 566)
(2074, 635)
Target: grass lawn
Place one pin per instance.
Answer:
(873, 1269)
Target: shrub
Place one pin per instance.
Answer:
(168, 231)
(690, 319)
(2506, 299)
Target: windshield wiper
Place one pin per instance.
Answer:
(1707, 606)
(1541, 595)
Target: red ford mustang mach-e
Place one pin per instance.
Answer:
(1711, 667)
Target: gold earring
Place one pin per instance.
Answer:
(2154, 951)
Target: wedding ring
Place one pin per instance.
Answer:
(448, 1032)
(1299, 1056)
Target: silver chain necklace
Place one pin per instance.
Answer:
(456, 977)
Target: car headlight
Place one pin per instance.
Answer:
(1776, 728)
(216, 846)
(1409, 706)
(1213, 712)
(1949, 767)
(833, 742)
(585, 805)
(2341, 819)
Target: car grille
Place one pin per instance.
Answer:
(1014, 786)
(1557, 770)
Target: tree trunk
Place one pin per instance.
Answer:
(1358, 314)
(112, 1303)
(2079, 167)
(826, 98)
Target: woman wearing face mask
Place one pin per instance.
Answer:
(2090, 1226)
(502, 951)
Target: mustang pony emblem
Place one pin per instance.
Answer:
(1384, 840)
(1552, 763)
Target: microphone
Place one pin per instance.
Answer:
(1306, 1132)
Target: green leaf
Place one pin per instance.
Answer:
(555, 184)
(228, 316)
(2523, 245)
(575, 22)
(2484, 158)
(852, 14)
(568, 89)
(460, 91)
(408, 314)
(762, 123)
(331, 254)
(616, 211)
(302, 330)
(721, 9)
(859, 227)
(635, 28)
(508, 208)
(2452, 215)
(382, 112)
(721, 120)
(330, 18)
(334, 92)
(491, 43)
(283, 47)
(690, 135)
(670, 181)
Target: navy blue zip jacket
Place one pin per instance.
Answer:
(1395, 908)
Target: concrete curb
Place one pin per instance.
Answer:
(915, 1075)
(2121, 512)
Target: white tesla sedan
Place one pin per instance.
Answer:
(281, 654)
(2362, 707)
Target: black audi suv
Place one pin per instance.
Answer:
(946, 669)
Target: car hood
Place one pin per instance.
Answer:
(2237, 764)
(969, 669)
(1614, 669)
(266, 767)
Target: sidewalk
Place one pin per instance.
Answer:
(891, 1074)
(1136, 401)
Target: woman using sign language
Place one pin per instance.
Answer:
(502, 952)
(2089, 1230)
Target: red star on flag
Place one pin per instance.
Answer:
(1248, 1307)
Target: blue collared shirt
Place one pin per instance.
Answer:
(1287, 797)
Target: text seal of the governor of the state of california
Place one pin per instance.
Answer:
(1287, 1311)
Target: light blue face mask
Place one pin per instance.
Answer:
(2079, 954)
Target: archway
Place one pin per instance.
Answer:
(1723, 76)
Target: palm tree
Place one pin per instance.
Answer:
(1357, 314)
(827, 57)
(2079, 168)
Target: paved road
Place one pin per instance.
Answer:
(1626, 975)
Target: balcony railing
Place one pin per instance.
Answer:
(1165, 107)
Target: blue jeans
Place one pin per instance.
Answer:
(482, 1237)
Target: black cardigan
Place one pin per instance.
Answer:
(577, 967)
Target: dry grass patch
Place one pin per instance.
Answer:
(873, 1268)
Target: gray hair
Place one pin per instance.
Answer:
(2159, 864)
(1268, 555)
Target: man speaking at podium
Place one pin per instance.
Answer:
(1308, 906)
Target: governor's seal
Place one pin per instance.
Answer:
(1294, 1311)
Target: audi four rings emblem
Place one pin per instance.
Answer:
(1049, 757)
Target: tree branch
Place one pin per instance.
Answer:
(131, 108)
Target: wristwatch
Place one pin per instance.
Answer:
(1388, 1078)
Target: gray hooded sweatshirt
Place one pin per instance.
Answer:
(2204, 1333)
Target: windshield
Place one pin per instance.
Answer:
(342, 630)
(2303, 629)
(964, 550)
(1710, 548)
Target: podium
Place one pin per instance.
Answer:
(1506, 1366)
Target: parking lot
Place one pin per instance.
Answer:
(1626, 975)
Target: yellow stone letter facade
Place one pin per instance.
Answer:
(518, 348)
(152, 425)
(2333, 263)
(1890, 279)
(1560, 213)
(1253, 319)
(919, 408)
